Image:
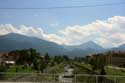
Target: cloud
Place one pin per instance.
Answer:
(107, 33)
(29, 31)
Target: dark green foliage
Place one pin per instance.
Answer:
(66, 58)
(102, 72)
(2, 69)
(30, 57)
(47, 58)
(93, 64)
(97, 61)
(58, 59)
(27, 57)
(24, 57)
(43, 65)
(79, 59)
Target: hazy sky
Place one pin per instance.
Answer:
(104, 25)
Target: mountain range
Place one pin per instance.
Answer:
(14, 41)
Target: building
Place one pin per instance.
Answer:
(8, 58)
(20, 57)
(2, 58)
(113, 58)
(116, 58)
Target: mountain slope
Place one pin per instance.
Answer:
(84, 49)
(84, 46)
(14, 41)
(119, 48)
(91, 45)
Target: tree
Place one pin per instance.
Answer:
(93, 64)
(58, 59)
(97, 61)
(43, 65)
(101, 77)
(47, 58)
(28, 57)
(24, 57)
(66, 58)
(2, 69)
(79, 59)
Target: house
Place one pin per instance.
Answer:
(7, 58)
(2, 58)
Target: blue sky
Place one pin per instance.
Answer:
(61, 17)
(52, 21)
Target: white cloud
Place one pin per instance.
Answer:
(107, 33)
(29, 31)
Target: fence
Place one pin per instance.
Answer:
(59, 78)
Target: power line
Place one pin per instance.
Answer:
(64, 7)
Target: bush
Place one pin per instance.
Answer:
(2, 69)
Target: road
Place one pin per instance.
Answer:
(66, 76)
